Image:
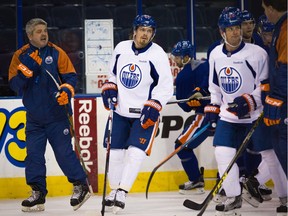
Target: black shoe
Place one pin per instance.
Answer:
(110, 198)
(282, 209)
(265, 192)
(196, 186)
(251, 192)
(35, 202)
(230, 204)
(120, 198)
(80, 195)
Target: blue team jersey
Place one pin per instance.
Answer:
(191, 76)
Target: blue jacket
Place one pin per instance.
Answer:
(40, 90)
(191, 76)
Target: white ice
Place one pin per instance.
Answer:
(157, 204)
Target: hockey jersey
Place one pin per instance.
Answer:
(234, 73)
(140, 75)
(191, 76)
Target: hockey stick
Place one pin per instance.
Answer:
(188, 99)
(202, 206)
(72, 132)
(110, 122)
(181, 147)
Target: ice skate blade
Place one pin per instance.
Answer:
(249, 199)
(266, 197)
(116, 209)
(80, 204)
(196, 191)
(281, 213)
(36, 208)
(234, 212)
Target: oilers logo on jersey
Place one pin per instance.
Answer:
(230, 80)
(49, 60)
(130, 76)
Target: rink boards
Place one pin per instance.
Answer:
(89, 124)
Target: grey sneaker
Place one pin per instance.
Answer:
(119, 202)
(282, 209)
(80, 195)
(196, 186)
(265, 192)
(120, 199)
(35, 202)
(110, 199)
(251, 192)
(229, 205)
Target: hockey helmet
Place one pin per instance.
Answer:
(144, 20)
(230, 16)
(183, 48)
(265, 25)
(246, 16)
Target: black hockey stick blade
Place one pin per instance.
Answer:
(202, 130)
(193, 205)
(202, 206)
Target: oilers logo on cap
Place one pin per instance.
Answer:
(230, 80)
(130, 76)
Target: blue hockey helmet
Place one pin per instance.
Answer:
(230, 16)
(183, 48)
(265, 25)
(144, 20)
(246, 16)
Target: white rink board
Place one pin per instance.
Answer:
(161, 149)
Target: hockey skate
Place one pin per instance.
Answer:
(193, 187)
(229, 207)
(265, 192)
(119, 202)
(282, 209)
(220, 196)
(110, 199)
(80, 195)
(35, 202)
(251, 193)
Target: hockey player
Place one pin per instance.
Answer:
(275, 106)
(262, 174)
(191, 82)
(236, 70)
(265, 29)
(46, 114)
(248, 26)
(140, 84)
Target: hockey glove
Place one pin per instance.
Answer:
(242, 105)
(211, 115)
(265, 88)
(109, 94)
(29, 64)
(272, 108)
(150, 113)
(66, 93)
(195, 98)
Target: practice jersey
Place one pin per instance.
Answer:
(236, 73)
(191, 76)
(140, 75)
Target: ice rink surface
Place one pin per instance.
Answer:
(157, 204)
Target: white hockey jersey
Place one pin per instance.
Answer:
(140, 75)
(236, 73)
